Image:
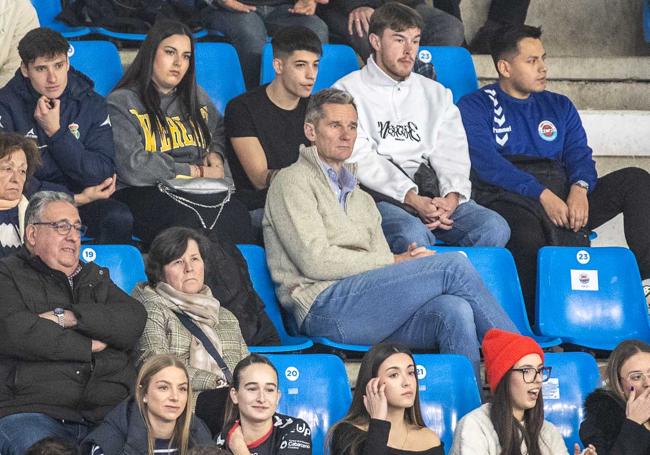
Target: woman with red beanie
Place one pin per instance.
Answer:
(513, 424)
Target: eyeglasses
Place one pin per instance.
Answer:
(638, 376)
(63, 227)
(530, 374)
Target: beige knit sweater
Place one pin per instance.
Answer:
(311, 241)
(17, 17)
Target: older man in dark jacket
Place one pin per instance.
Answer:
(67, 332)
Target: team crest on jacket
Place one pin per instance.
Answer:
(547, 130)
(74, 129)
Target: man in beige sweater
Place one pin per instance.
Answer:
(332, 265)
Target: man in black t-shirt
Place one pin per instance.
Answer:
(264, 126)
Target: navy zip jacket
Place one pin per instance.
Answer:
(545, 125)
(81, 153)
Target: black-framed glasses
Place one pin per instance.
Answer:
(530, 374)
(63, 227)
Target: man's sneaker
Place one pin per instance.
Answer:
(646, 292)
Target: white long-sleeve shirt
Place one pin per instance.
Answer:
(406, 122)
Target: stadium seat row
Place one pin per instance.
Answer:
(219, 71)
(586, 296)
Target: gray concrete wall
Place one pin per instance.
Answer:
(577, 27)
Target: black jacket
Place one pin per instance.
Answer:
(123, 432)
(228, 278)
(606, 427)
(47, 369)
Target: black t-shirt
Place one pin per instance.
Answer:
(279, 131)
(9, 232)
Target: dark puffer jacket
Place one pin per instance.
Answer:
(47, 369)
(606, 427)
(82, 152)
(123, 432)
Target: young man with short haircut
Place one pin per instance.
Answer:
(55, 105)
(408, 122)
(264, 126)
(533, 165)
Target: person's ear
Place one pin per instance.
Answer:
(233, 395)
(310, 132)
(375, 41)
(30, 235)
(23, 69)
(503, 68)
(278, 65)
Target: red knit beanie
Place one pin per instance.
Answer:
(501, 350)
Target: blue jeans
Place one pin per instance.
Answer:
(18, 432)
(474, 225)
(437, 302)
(247, 31)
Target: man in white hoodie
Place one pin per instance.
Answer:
(408, 122)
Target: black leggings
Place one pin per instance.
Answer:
(624, 191)
(503, 11)
(154, 212)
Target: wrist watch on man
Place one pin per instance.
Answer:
(60, 316)
(582, 184)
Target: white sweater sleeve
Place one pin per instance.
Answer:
(450, 156)
(377, 172)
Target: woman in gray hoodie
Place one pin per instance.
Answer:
(166, 127)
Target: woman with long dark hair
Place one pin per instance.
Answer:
(166, 128)
(157, 420)
(617, 417)
(252, 424)
(384, 417)
(513, 423)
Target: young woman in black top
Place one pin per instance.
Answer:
(385, 417)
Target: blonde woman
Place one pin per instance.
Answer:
(157, 420)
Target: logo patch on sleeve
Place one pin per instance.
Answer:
(547, 130)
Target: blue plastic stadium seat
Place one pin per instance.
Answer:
(499, 272)
(124, 263)
(136, 36)
(314, 388)
(47, 11)
(448, 391)
(99, 60)
(454, 67)
(263, 285)
(219, 73)
(574, 375)
(337, 61)
(590, 296)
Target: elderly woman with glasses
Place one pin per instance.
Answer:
(513, 423)
(617, 417)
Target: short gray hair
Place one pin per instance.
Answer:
(327, 96)
(39, 201)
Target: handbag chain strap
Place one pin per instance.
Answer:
(191, 204)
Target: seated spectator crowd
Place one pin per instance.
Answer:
(348, 189)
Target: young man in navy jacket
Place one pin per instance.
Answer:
(532, 164)
(54, 104)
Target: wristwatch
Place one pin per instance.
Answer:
(582, 184)
(60, 315)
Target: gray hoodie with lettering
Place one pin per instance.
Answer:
(142, 156)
